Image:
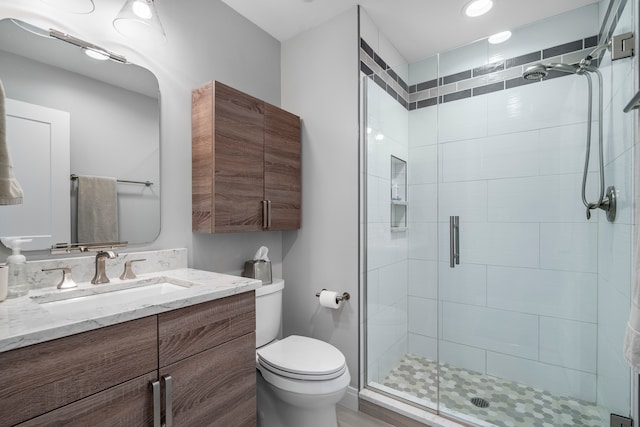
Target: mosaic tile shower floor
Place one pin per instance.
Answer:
(510, 404)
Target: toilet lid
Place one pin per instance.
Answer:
(302, 358)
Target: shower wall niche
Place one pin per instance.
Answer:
(398, 193)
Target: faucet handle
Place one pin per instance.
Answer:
(66, 281)
(128, 271)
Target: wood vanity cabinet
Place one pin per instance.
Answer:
(103, 377)
(246, 166)
(210, 352)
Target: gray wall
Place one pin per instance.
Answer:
(319, 82)
(206, 40)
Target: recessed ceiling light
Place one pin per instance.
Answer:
(500, 37)
(477, 8)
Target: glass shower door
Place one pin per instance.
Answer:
(490, 297)
(522, 335)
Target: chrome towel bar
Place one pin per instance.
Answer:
(74, 177)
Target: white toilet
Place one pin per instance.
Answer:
(300, 379)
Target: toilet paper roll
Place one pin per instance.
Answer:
(328, 299)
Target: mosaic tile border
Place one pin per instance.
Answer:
(481, 80)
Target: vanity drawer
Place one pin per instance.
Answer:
(46, 376)
(187, 331)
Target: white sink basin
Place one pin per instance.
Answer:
(117, 294)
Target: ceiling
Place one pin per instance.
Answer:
(438, 24)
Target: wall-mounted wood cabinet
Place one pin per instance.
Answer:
(199, 361)
(245, 163)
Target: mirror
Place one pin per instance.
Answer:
(69, 115)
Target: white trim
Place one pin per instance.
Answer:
(408, 411)
(350, 399)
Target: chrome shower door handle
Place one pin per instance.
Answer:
(454, 241)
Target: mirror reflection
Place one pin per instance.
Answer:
(75, 121)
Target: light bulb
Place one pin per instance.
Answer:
(141, 9)
(96, 55)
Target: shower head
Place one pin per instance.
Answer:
(538, 71)
(535, 72)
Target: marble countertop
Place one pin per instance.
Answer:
(46, 314)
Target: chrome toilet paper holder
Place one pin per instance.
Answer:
(345, 295)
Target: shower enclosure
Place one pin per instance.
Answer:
(489, 296)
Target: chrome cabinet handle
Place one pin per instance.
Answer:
(454, 241)
(156, 403)
(265, 214)
(168, 391)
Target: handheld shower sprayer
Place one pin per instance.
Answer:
(539, 71)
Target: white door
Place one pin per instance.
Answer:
(38, 140)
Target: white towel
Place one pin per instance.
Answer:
(97, 209)
(10, 189)
(632, 336)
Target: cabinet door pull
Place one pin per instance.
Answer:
(265, 214)
(168, 391)
(269, 214)
(156, 403)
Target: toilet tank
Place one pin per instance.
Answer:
(268, 312)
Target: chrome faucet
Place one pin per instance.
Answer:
(101, 274)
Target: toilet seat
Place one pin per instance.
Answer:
(302, 358)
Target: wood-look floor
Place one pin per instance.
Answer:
(349, 418)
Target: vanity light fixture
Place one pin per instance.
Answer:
(138, 19)
(97, 50)
(31, 28)
(72, 6)
(500, 37)
(477, 8)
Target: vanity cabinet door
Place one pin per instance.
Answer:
(216, 387)
(47, 376)
(127, 405)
